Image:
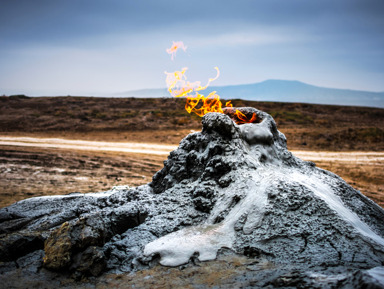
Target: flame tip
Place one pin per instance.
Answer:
(178, 86)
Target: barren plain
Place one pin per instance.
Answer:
(108, 142)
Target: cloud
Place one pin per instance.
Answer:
(257, 37)
(120, 45)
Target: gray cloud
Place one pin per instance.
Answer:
(346, 36)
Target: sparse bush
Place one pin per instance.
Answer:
(18, 96)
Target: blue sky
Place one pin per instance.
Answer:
(95, 47)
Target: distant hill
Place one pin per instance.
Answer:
(283, 91)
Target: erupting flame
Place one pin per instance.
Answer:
(175, 46)
(242, 118)
(178, 86)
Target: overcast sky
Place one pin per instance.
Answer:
(96, 47)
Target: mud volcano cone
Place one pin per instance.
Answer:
(260, 200)
(233, 188)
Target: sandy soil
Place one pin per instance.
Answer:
(50, 166)
(161, 149)
(32, 171)
(58, 143)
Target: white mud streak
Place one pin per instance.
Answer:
(205, 240)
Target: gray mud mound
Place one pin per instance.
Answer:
(229, 189)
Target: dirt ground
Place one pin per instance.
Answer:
(29, 172)
(164, 120)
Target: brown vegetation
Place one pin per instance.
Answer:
(27, 172)
(307, 126)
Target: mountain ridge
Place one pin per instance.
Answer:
(282, 91)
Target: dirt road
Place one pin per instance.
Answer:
(157, 149)
(32, 166)
(126, 147)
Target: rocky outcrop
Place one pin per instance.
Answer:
(230, 187)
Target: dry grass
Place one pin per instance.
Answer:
(307, 126)
(35, 172)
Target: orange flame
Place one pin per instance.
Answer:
(175, 46)
(178, 86)
(242, 118)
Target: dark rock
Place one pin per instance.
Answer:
(13, 225)
(367, 279)
(204, 199)
(18, 244)
(7, 267)
(220, 124)
(32, 262)
(91, 262)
